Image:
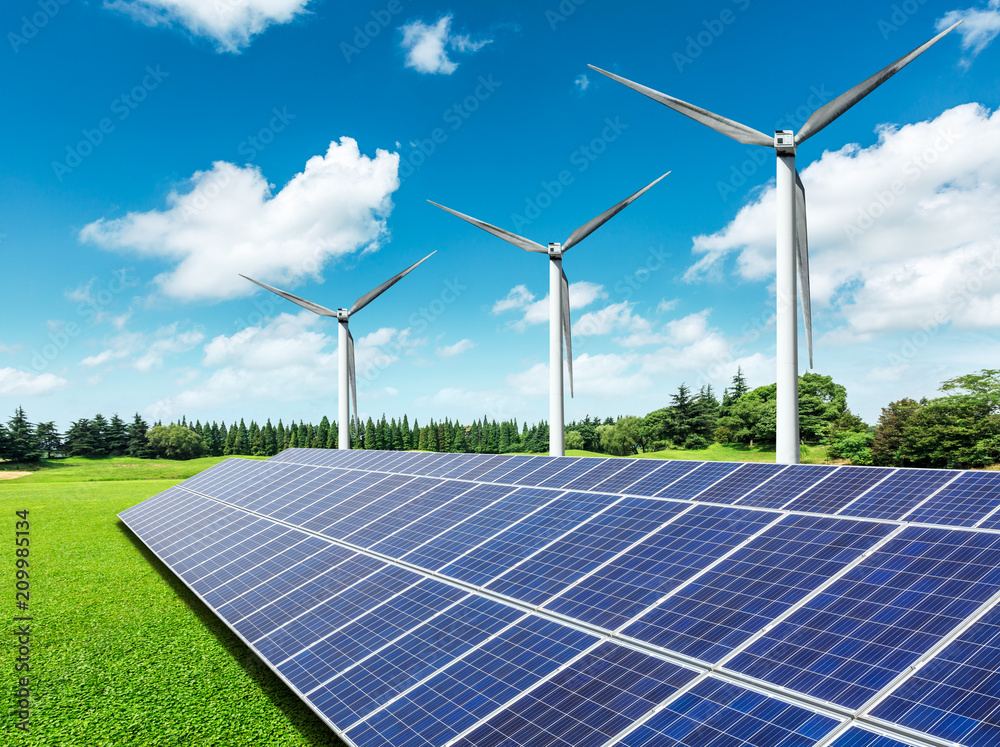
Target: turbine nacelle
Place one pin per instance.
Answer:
(343, 315)
(784, 142)
(555, 250)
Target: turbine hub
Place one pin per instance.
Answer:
(342, 315)
(555, 250)
(784, 142)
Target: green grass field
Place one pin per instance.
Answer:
(122, 653)
(724, 453)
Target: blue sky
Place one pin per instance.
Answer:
(156, 149)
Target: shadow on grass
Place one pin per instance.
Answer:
(312, 729)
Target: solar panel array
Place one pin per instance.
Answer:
(419, 599)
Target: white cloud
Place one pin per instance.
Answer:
(230, 222)
(518, 297)
(582, 82)
(15, 383)
(10, 349)
(459, 347)
(581, 294)
(901, 234)
(286, 360)
(146, 351)
(666, 305)
(979, 28)
(230, 23)
(427, 46)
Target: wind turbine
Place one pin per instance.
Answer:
(346, 376)
(792, 244)
(559, 321)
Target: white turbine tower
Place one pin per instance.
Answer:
(791, 244)
(559, 320)
(346, 376)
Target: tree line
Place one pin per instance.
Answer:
(958, 430)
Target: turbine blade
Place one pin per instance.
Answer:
(513, 238)
(588, 228)
(566, 328)
(313, 307)
(373, 294)
(826, 114)
(352, 381)
(738, 132)
(801, 239)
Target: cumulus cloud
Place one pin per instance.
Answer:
(980, 27)
(427, 46)
(532, 312)
(257, 363)
(231, 24)
(146, 352)
(15, 383)
(459, 347)
(902, 234)
(229, 221)
(582, 83)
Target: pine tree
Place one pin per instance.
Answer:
(22, 442)
(370, 439)
(230, 448)
(323, 433)
(138, 444)
(404, 431)
(99, 436)
(117, 438)
(49, 439)
(421, 438)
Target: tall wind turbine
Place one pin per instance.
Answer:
(559, 321)
(791, 245)
(346, 376)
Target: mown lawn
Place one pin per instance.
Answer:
(724, 453)
(122, 653)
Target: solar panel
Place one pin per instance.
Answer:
(451, 599)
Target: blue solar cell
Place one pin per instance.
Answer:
(446, 463)
(786, 486)
(482, 465)
(240, 557)
(508, 465)
(222, 470)
(160, 507)
(585, 704)
(545, 471)
(855, 737)
(348, 602)
(848, 642)
(633, 471)
(425, 501)
(597, 470)
(469, 690)
(516, 542)
(656, 480)
(451, 515)
(280, 605)
(721, 714)
(724, 607)
(337, 489)
(592, 543)
(835, 492)
(331, 513)
(517, 469)
(386, 501)
(372, 681)
(962, 502)
(698, 480)
(427, 463)
(896, 496)
(737, 484)
(629, 584)
(955, 695)
(265, 488)
(570, 474)
(463, 464)
(332, 644)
